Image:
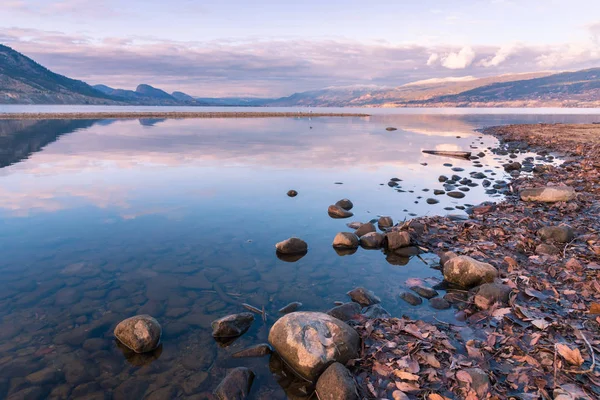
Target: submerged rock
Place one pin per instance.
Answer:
(338, 212)
(236, 384)
(337, 383)
(141, 333)
(548, 194)
(411, 299)
(560, 233)
(364, 229)
(372, 240)
(310, 341)
(376, 311)
(345, 204)
(466, 272)
(292, 246)
(294, 306)
(259, 350)
(232, 325)
(363, 296)
(439, 303)
(345, 240)
(345, 312)
(424, 291)
(385, 222)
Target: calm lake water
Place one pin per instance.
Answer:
(104, 219)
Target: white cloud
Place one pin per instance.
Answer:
(460, 60)
(501, 55)
(433, 59)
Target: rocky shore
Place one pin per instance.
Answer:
(533, 332)
(172, 115)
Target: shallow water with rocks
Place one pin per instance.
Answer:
(105, 219)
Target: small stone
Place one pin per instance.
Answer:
(345, 240)
(337, 383)
(46, 375)
(345, 204)
(292, 246)
(335, 211)
(560, 233)
(385, 222)
(391, 128)
(439, 303)
(424, 291)
(372, 240)
(363, 296)
(411, 299)
(294, 306)
(438, 192)
(547, 249)
(354, 225)
(345, 312)
(292, 193)
(548, 194)
(442, 178)
(456, 195)
(140, 333)
(259, 350)
(364, 229)
(236, 384)
(514, 166)
(432, 201)
(458, 169)
(232, 325)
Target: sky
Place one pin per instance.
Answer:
(272, 48)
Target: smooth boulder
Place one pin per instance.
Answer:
(372, 240)
(345, 240)
(337, 383)
(560, 233)
(363, 296)
(310, 341)
(548, 194)
(232, 325)
(236, 385)
(467, 272)
(335, 211)
(345, 204)
(292, 246)
(140, 333)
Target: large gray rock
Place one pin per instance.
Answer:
(364, 229)
(236, 385)
(345, 204)
(372, 240)
(560, 233)
(310, 341)
(345, 312)
(338, 212)
(337, 383)
(140, 333)
(232, 325)
(345, 240)
(467, 272)
(292, 246)
(548, 194)
(363, 296)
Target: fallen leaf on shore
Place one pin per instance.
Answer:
(572, 356)
(464, 376)
(406, 376)
(540, 323)
(595, 308)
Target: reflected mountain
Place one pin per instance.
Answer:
(150, 121)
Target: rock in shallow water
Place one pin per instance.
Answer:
(548, 194)
(363, 297)
(345, 204)
(456, 195)
(376, 311)
(337, 383)
(140, 333)
(345, 312)
(236, 384)
(232, 325)
(439, 303)
(424, 291)
(310, 341)
(292, 246)
(259, 350)
(345, 240)
(338, 212)
(466, 272)
(411, 299)
(372, 240)
(385, 222)
(292, 193)
(396, 240)
(363, 229)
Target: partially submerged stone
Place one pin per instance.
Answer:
(236, 385)
(424, 291)
(292, 246)
(345, 240)
(140, 333)
(259, 350)
(548, 194)
(372, 240)
(292, 193)
(396, 240)
(385, 222)
(337, 383)
(363, 229)
(376, 311)
(335, 211)
(232, 325)
(345, 204)
(363, 296)
(411, 298)
(467, 272)
(439, 303)
(345, 312)
(310, 341)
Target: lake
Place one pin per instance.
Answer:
(104, 219)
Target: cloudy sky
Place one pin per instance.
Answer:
(276, 47)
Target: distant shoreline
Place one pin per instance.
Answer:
(173, 115)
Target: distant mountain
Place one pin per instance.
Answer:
(23, 81)
(182, 96)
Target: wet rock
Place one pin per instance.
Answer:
(232, 325)
(140, 333)
(345, 240)
(443, 178)
(310, 341)
(438, 192)
(480, 382)
(364, 229)
(354, 225)
(560, 233)
(337, 383)
(411, 299)
(294, 306)
(236, 385)
(424, 291)
(338, 212)
(439, 303)
(456, 195)
(164, 393)
(345, 204)
(385, 222)
(392, 184)
(445, 256)
(372, 240)
(456, 179)
(292, 193)
(547, 249)
(514, 166)
(345, 312)
(43, 376)
(478, 175)
(490, 293)
(466, 272)
(396, 240)
(292, 246)
(391, 128)
(376, 311)
(464, 189)
(548, 194)
(486, 183)
(457, 169)
(130, 389)
(30, 393)
(363, 297)
(432, 201)
(259, 350)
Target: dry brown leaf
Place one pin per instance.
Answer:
(540, 323)
(414, 330)
(431, 360)
(407, 387)
(464, 376)
(406, 376)
(595, 308)
(399, 395)
(572, 356)
(435, 396)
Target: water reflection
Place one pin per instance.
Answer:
(102, 220)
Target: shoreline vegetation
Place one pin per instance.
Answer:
(173, 115)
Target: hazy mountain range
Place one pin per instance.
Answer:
(23, 81)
